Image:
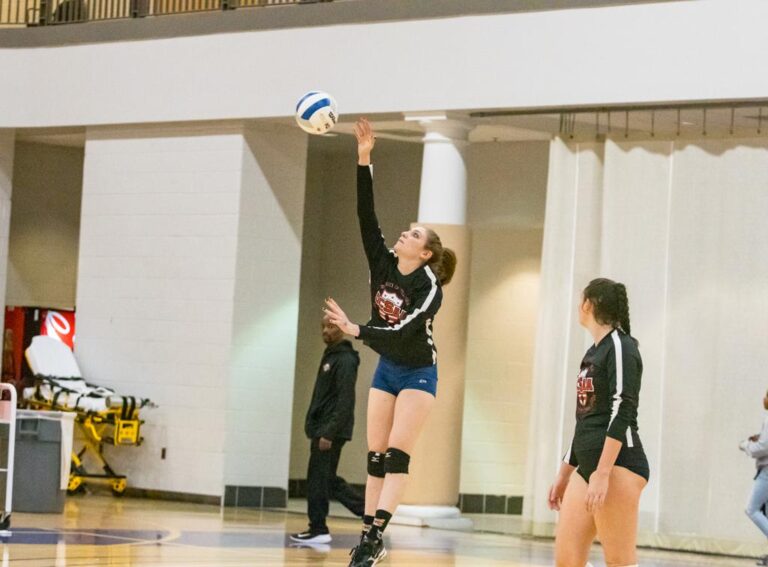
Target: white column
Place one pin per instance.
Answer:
(7, 144)
(443, 193)
(433, 489)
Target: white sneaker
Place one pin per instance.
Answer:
(311, 537)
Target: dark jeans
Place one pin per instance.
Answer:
(323, 484)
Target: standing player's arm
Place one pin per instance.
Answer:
(608, 457)
(557, 490)
(568, 465)
(569, 460)
(599, 480)
(626, 371)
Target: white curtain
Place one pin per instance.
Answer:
(685, 226)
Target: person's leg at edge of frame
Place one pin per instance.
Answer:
(381, 409)
(575, 526)
(617, 520)
(411, 411)
(757, 500)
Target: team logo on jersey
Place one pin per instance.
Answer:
(390, 303)
(584, 388)
(326, 367)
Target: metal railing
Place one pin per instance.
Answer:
(19, 13)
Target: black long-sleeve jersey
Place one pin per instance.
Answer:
(608, 394)
(331, 412)
(403, 306)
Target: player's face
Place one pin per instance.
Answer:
(411, 244)
(585, 312)
(331, 333)
(765, 401)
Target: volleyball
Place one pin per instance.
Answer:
(316, 112)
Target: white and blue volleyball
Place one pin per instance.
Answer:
(316, 112)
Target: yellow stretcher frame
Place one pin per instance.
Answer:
(115, 426)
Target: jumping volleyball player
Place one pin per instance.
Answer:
(603, 498)
(406, 292)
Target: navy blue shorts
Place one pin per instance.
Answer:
(394, 378)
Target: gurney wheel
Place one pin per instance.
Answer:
(76, 485)
(118, 487)
(79, 490)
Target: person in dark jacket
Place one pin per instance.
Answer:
(328, 425)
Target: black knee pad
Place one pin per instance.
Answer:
(376, 464)
(396, 461)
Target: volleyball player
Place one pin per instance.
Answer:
(406, 293)
(612, 470)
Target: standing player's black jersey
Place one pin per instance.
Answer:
(403, 307)
(608, 392)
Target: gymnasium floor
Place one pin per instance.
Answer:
(101, 530)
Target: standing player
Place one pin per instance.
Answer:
(603, 498)
(406, 292)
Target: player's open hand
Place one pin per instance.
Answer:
(337, 317)
(556, 492)
(596, 491)
(365, 141)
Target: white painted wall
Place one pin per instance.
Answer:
(45, 226)
(681, 223)
(188, 294)
(155, 291)
(266, 307)
(507, 190)
(671, 51)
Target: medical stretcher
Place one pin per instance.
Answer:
(103, 417)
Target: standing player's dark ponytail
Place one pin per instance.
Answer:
(622, 304)
(610, 302)
(443, 260)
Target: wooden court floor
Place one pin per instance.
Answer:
(104, 531)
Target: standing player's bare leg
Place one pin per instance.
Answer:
(616, 521)
(576, 527)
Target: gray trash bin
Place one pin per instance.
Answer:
(4, 430)
(37, 464)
